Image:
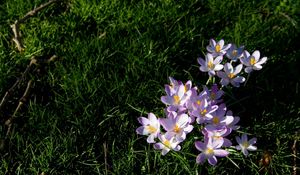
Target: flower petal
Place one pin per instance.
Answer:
(200, 145)
(221, 153)
(201, 158)
(252, 148)
(212, 160)
(256, 55)
(150, 138)
(262, 61)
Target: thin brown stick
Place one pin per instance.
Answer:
(16, 29)
(294, 149)
(105, 157)
(18, 81)
(22, 100)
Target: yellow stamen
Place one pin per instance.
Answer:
(234, 53)
(185, 88)
(210, 65)
(209, 151)
(151, 129)
(203, 112)
(218, 48)
(231, 75)
(213, 96)
(198, 102)
(217, 137)
(246, 144)
(176, 99)
(252, 61)
(176, 129)
(216, 120)
(167, 143)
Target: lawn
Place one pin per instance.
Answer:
(113, 60)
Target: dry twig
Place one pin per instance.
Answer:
(294, 149)
(19, 80)
(22, 100)
(16, 29)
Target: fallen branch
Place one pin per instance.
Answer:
(22, 100)
(19, 80)
(16, 29)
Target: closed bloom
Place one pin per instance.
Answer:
(253, 62)
(150, 126)
(217, 49)
(210, 64)
(209, 150)
(230, 75)
(167, 144)
(245, 145)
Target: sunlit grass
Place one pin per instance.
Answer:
(115, 57)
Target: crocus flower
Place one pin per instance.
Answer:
(218, 134)
(167, 144)
(215, 94)
(172, 88)
(210, 64)
(230, 75)
(233, 121)
(217, 49)
(234, 53)
(177, 100)
(219, 120)
(204, 111)
(253, 62)
(176, 125)
(151, 127)
(209, 150)
(245, 145)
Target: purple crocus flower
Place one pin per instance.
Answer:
(177, 125)
(218, 134)
(204, 111)
(150, 126)
(230, 75)
(235, 53)
(167, 144)
(210, 64)
(209, 150)
(218, 48)
(253, 62)
(177, 100)
(245, 145)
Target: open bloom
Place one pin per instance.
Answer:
(217, 49)
(177, 125)
(151, 127)
(176, 100)
(210, 149)
(252, 62)
(245, 145)
(210, 64)
(230, 75)
(167, 144)
(234, 53)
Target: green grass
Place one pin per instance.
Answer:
(115, 57)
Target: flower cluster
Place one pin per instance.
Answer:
(237, 59)
(187, 107)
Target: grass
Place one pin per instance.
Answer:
(115, 57)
